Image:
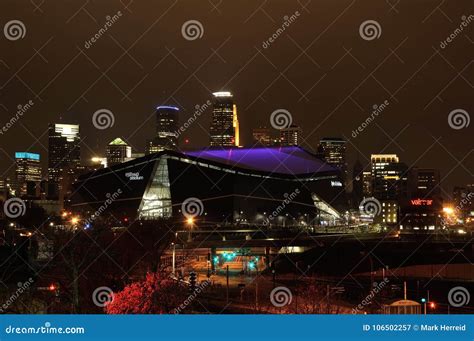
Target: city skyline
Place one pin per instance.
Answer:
(320, 82)
(88, 160)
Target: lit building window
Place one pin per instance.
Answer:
(156, 202)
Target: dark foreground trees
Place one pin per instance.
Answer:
(84, 260)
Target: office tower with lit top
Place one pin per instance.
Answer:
(64, 154)
(389, 176)
(389, 185)
(291, 136)
(118, 151)
(166, 137)
(28, 171)
(224, 129)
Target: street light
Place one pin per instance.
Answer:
(190, 222)
(448, 210)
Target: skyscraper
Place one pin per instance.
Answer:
(291, 136)
(28, 170)
(166, 138)
(64, 154)
(424, 182)
(262, 136)
(389, 177)
(367, 181)
(118, 151)
(333, 151)
(224, 129)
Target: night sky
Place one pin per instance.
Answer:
(320, 69)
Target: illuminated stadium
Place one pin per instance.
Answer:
(281, 186)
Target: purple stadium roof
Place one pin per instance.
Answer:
(283, 160)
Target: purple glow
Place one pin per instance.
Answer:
(283, 160)
(167, 107)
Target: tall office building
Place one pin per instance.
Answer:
(333, 151)
(262, 136)
(389, 177)
(118, 151)
(28, 171)
(291, 136)
(224, 129)
(64, 155)
(424, 182)
(367, 183)
(166, 138)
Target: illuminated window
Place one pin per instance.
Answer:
(156, 202)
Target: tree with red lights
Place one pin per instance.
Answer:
(155, 295)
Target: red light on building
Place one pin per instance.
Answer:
(52, 287)
(421, 202)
